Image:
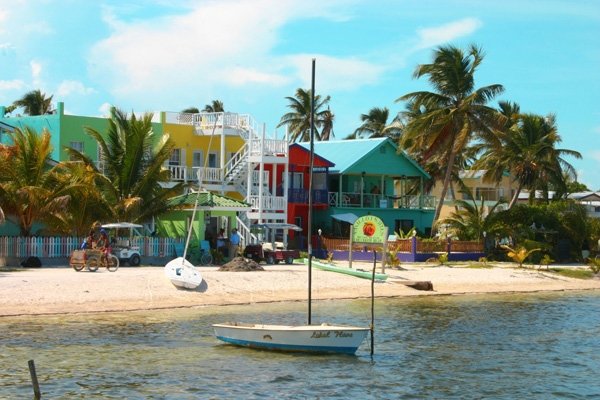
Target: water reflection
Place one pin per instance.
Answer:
(511, 346)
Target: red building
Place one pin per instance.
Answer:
(299, 166)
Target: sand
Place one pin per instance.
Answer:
(60, 290)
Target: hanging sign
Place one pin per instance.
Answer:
(368, 229)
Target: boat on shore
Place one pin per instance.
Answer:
(348, 271)
(322, 338)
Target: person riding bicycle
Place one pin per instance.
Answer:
(104, 245)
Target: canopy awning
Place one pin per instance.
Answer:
(347, 217)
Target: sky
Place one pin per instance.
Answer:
(170, 55)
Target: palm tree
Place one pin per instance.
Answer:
(298, 120)
(447, 119)
(527, 150)
(133, 159)
(35, 103)
(191, 110)
(327, 122)
(470, 221)
(214, 107)
(375, 124)
(31, 189)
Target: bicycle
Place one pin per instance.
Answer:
(206, 257)
(111, 262)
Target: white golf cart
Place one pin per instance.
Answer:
(122, 248)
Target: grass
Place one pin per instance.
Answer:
(574, 273)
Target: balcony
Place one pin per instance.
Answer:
(368, 200)
(319, 196)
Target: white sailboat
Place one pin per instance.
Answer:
(180, 271)
(323, 338)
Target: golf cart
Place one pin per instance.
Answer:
(268, 249)
(122, 248)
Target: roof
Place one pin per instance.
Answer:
(208, 201)
(346, 153)
(585, 196)
(300, 155)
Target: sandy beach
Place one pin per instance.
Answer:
(61, 290)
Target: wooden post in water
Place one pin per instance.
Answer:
(37, 395)
(373, 303)
(310, 184)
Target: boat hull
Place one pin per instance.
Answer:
(183, 274)
(305, 338)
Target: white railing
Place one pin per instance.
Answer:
(234, 166)
(178, 172)
(213, 175)
(269, 203)
(259, 146)
(370, 200)
(60, 247)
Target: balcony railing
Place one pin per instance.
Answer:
(269, 203)
(320, 196)
(370, 200)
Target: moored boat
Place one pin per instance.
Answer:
(303, 338)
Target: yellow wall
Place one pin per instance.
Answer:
(185, 138)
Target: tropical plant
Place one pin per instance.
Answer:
(327, 125)
(214, 107)
(546, 260)
(594, 264)
(527, 149)
(298, 119)
(442, 123)
(31, 188)
(519, 255)
(375, 124)
(471, 220)
(34, 103)
(132, 158)
(190, 110)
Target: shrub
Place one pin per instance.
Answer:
(520, 254)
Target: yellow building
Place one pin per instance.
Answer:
(489, 192)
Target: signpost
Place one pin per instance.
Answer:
(370, 229)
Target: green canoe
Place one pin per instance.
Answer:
(348, 271)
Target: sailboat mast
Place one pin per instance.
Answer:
(310, 183)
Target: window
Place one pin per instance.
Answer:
(175, 157)
(404, 225)
(296, 180)
(197, 159)
(76, 146)
(212, 160)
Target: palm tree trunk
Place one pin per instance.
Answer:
(516, 196)
(447, 177)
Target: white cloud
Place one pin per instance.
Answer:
(105, 109)
(241, 76)
(65, 88)
(430, 37)
(36, 70)
(15, 84)
(226, 43)
(335, 73)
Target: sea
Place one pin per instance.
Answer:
(509, 346)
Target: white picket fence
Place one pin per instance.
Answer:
(57, 247)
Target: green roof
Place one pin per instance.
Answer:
(347, 155)
(208, 200)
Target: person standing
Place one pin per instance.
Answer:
(234, 243)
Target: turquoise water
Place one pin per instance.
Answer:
(469, 347)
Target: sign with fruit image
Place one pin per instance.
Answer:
(368, 229)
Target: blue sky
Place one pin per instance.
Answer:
(169, 55)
